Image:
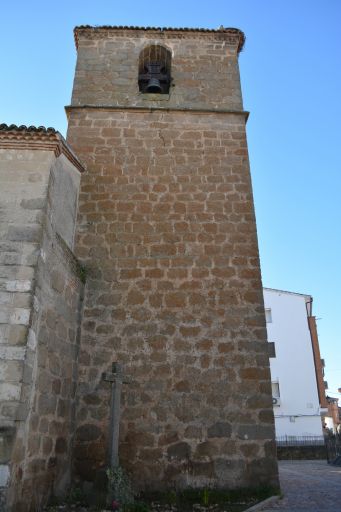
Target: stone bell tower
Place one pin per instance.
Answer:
(167, 234)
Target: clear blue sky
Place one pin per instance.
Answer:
(291, 79)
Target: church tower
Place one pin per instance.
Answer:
(167, 235)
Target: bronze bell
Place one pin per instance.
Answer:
(154, 86)
(154, 78)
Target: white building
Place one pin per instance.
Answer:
(294, 375)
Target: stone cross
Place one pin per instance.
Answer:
(116, 379)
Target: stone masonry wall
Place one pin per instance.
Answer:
(302, 452)
(40, 274)
(167, 234)
(41, 458)
(204, 68)
(24, 180)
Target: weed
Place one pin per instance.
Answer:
(119, 489)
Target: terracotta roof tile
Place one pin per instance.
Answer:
(22, 128)
(161, 29)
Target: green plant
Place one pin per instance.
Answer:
(120, 489)
(205, 497)
(82, 273)
(54, 502)
(75, 496)
(171, 497)
(138, 506)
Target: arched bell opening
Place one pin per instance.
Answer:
(154, 70)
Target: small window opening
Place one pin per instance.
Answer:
(275, 389)
(271, 349)
(154, 70)
(268, 315)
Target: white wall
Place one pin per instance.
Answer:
(293, 367)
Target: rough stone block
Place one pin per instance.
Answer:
(17, 335)
(24, 233)
(23, 285)
(19, 316)
(11, 371)
(9, 391)
(220, 429)
(12, 353)
(4, 475)
(33, 203)
(7, 435)
(256, 431)
(179, 451)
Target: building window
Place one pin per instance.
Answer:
(271, 349)
(276, 401)
(154, 70)
(268, 315)
(275, 389)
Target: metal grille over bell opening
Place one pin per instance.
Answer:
(154, 70)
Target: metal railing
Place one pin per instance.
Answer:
(333, 445)
(300, 440)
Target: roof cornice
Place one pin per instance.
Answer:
(276, 290)
(232, 35)
(37, 138)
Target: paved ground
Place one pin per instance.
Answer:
(309, 486)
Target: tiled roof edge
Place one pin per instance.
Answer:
(23, 128)
(221, 30)
(37, 137)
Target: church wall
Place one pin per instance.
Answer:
(24, 178)
(42, 452)
(41, 195)
(166, 232)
